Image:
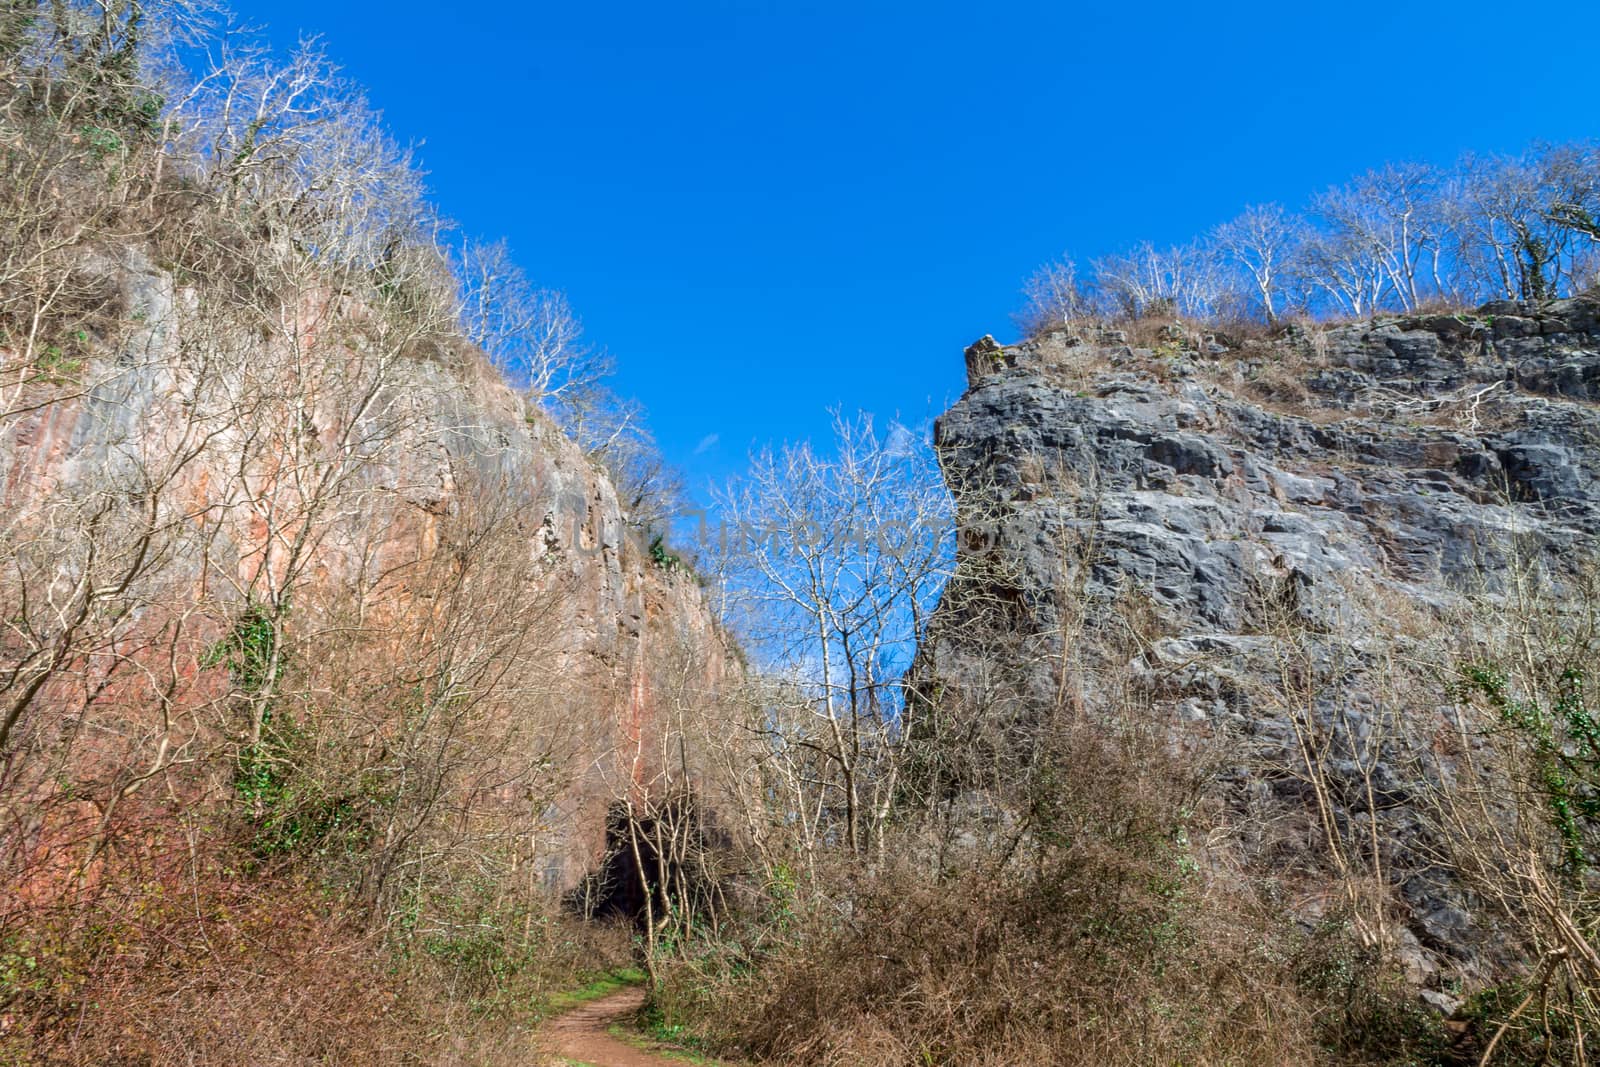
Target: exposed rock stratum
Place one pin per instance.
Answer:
(1280, 519)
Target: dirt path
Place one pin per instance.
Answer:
(580, 1034)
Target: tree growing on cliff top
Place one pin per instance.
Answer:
(1396, 238)
(1264, 241)
(531, 334)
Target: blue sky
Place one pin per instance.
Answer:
(766, 208)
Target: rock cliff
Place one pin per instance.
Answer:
(177, 477)
(1288, 515)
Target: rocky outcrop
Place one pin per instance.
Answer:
(1319, 491)
(345, 464)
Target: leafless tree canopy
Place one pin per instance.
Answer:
(1523, 227)
(834, 561)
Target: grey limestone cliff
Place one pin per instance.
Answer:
(1327, 493)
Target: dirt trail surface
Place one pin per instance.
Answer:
(581, 1034)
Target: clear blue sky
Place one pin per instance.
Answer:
(764, 208)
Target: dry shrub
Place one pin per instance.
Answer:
(1088, 935)
(1239, 331)
(1514, 809)
(1281, 383)
(360, 881)
(1157, 331)
(241, 966)
(1093, 958)
(1365, 1010)
(240, 970)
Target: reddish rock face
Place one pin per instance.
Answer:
(403, 521)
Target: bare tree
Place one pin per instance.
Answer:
(532, 334)
(667, 780)
(1056, 297)
(1520, 227)
(1263, 241)
(612, 431)
(834, 564)
(1376, 232)
(1346, 270)
(1182, 281)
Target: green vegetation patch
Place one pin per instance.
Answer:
(603, 986)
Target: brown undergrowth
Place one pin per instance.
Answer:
(1096, 931)
(232, 965)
